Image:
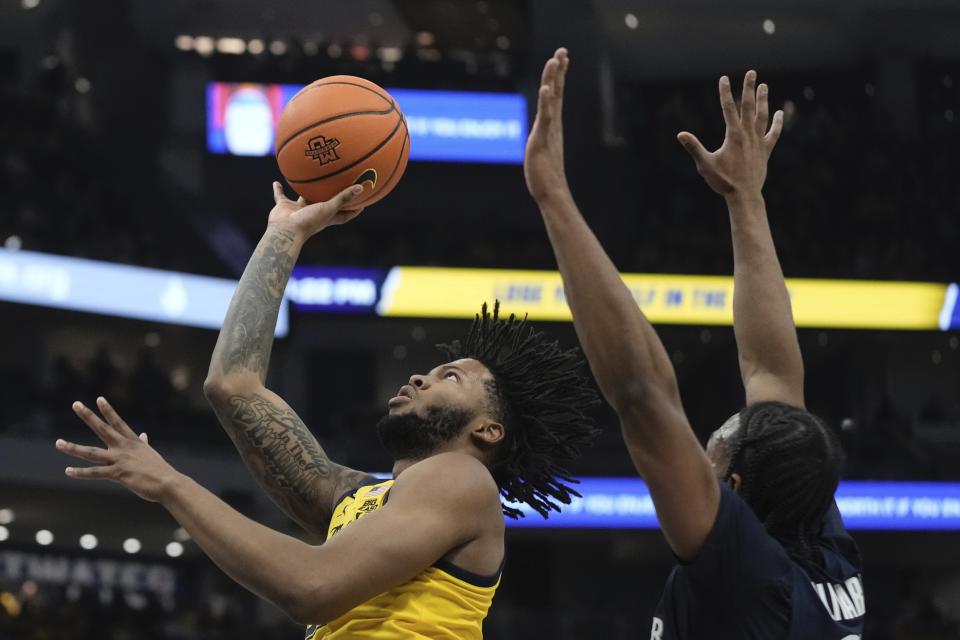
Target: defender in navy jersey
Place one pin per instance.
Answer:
(762, 550)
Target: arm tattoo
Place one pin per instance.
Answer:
(247, 335)
(288, 460)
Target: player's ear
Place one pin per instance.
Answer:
(488, 433)
(734, 481)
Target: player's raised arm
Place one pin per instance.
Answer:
(625, 354)
(276, 446)
(770, 362)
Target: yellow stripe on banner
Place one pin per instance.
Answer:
(431, 292)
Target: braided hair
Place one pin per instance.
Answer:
(541, 395)
(789, 463)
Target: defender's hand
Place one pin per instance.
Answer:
(543, 162)
(739, 166)
(128, 459)
(309, 219)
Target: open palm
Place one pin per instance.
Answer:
(740, 164)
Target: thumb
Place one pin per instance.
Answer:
(692, 146)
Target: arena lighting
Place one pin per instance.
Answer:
(278, 47)
(174, 549)
(30, 4)
(183, 42)
(631, 21)
(6, 516)
(360, 52)
(77, 284)
(88, 541)
(44, 537)
(255, 46)
(390, 54)
(180, 534)
(425, 39)
(204, 45)
(82, 85)
(132, 545)
(231, 46)
(769, 27)
(4, 533)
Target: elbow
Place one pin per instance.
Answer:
(311, 604)
(219, 389)
(215, 390)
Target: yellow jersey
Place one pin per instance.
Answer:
(443, 602)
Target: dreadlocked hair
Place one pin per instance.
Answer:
(541, 395)
(789, 464)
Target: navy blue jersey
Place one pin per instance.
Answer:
(744, 584)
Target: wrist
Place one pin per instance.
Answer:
(291, 232)
(553, 197)
(172, 488)
(744, 197)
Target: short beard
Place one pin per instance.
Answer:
(411, 436)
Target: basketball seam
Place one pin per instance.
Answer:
(355, 162)
(331, 119)
(406, 137)
(316, 85)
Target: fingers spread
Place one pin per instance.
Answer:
(91, 473)
(113, 419)
(748, 100)
(730, 115)
(774, 134)
(278, 196)
(693, 146)
(90, 454)
(763, 109)
(92, 420)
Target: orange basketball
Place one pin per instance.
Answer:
(339, 131)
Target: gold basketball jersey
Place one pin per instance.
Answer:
(443, 602)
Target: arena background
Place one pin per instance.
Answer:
(104, 156)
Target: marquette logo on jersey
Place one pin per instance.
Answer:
(323, 150)
(367, 178)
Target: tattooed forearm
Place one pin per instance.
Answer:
(247, 335)
(287, 460)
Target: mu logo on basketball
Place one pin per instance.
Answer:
(323, 149)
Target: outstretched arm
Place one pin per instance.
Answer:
(275, 444)
(625, 354)
(770, 362)
(435, 506)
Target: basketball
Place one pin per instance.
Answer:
(340, 131)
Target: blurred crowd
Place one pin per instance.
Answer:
(848, 196)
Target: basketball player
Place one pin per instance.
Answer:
(416, 556)
(762, 551)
